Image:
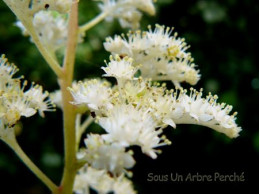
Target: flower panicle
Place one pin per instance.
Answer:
(15, 101)
(162, 56)
(194, 109)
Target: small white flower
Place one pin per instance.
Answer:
(13, 106)
(127, 11)
(118, 46)
(120, 68)
(101, 182)
(162, 56)
(14, 101)
(109, 156)
(205, 111)
(88, 177)
(39, 99)
(51, 28)
(130, 18)
(93, 93)
(56, 98)
(7, 72)
(162, 109)
(122, 185)
(128, 125)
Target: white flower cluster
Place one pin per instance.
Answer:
(51, 27)
(15, 101)
(127, 11)
(98, 155)
(136, 111)
(162, 56)
(102, 182)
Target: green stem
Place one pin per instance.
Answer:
(82, 128)
(21, 12)
(12, 142)
(69, 114)
(93, 22)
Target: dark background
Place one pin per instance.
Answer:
(223, 35)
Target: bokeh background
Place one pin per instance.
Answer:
(223, 35)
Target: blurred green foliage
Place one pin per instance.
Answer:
(223, 35)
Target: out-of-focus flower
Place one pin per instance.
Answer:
(127, 11)
(51, 28)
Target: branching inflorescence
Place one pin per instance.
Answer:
(134, 112)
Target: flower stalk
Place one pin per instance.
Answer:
(93, 22)
(11, 141)
(69, 114)
(81, 128)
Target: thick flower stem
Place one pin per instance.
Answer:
(69, 113)
(69, 117)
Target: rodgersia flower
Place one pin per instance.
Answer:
(136, 112)
(162, 56)
(51, 28)
(56, 98)
(193, 109)
(132, 126)
(101, 182)
(39, 99)
(15, 102)
(121, 69)
(127, 11)
(99, 155)
(122, 185)
(96, 179)
(7, 72)
(89, 93)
